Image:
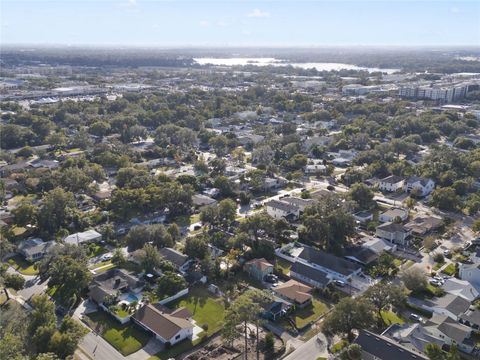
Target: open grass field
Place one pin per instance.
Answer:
(127, 338)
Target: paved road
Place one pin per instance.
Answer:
(311, 350)
(97, 348)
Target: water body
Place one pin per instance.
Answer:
(320, 66)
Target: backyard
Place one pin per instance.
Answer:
(127, 338)
(389, 318)
(205, 308)
(22, 266)
(307, 315)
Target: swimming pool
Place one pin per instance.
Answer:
(131, 298)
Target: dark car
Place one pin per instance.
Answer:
(271, 278)
(331, 187)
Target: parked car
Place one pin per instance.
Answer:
(435, 282)
(271, 278)
(416, 317)
(340, 283)
(106, 257)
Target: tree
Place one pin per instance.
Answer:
(429, 243)
(25, 214)
(169, 284)
(14, 281)
(362, 195)
(327, 223)
(476, 225)
(352, 352)
(209, 215)
(150, 259)
(384, 295)
(414, 279)
(227, 211)
(434, 352)
(70, 276)
(245, 309)
(263, 155)
(118, 257)
(57, 208)
(349, 314)
(196, 247)
(445, 199)
(65, 340)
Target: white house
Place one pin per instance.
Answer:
(391, 214)
(168, 326)
(83, 237)
(280, 209)
(391, 183)
(460, 288)
(470, 273)
(419, 186)
(395, 233)
(316, 167)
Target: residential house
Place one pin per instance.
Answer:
(393, 232)
(258, 268)
(281, 209)
(423, 224)
(379, 347)
(378, 245)
(471, 271)
(449, 305)
(34, 249)
(391, 183)
(363, 216)
(361, 255)
(83, 237)
(270, 184)
(168, 326)
(316, 267)
(419, 186)
(439, 329)
(295, 293)
(179, 260)
(391, 215)
(200, 200)
(276, 309)
(460, 288)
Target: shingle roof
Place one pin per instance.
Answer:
(261, 264)
(165, 324)
(283, 206)
(392, 227)
(392, 179)
(176, 257)
(385, 349)
(295, 291)
(316, 275)
(329, 261)
(455, 304)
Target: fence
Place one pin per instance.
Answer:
(174, 297)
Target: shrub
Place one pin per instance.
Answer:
(269, 341)
(14, 281)
(439, 258)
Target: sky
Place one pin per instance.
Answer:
(240, 22)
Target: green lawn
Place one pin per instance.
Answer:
(303, 317)
(127, 338)
(437, 266)
(205, 308)
(96, 249)
(17, 231)
(397, 262)
(284, 266)
(449, 269)
(100, 264)
(22, 266)
(389, 318)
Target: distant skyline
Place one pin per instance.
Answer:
(240, 23)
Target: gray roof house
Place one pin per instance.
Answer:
(178, 259)
(34, 249)
(393, 232)
(83, 237)
(379, 347)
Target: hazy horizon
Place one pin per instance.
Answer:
(233, 24)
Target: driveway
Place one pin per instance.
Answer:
(33, 286)
(314, 348)
(97, 348)
(152, 347)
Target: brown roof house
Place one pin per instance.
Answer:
(295, 292)
(258, 268)
(168, 326)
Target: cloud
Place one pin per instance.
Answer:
(131, 2)
(204, 23)
(257, 13)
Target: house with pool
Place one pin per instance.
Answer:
(118, 292)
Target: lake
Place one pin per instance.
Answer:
(320, 66)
